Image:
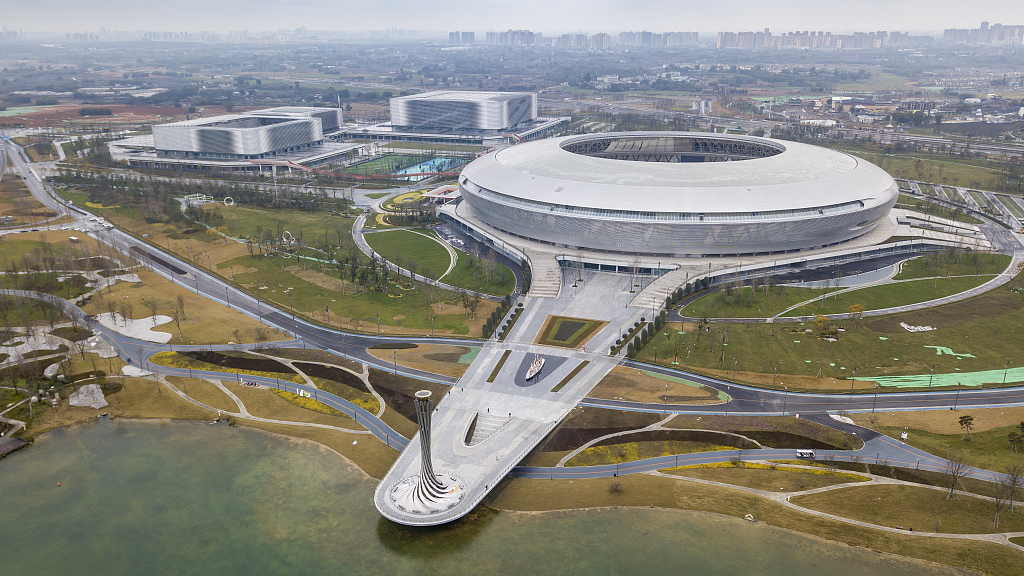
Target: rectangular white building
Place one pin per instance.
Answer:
(455, 110)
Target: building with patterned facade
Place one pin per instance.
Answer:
(678, 194)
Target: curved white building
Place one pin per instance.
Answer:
(678, 193)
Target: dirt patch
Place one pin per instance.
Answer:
(945, 422)
(630, 384)
(319, 278)
(585, 424)
(435, 358)
(398, 391)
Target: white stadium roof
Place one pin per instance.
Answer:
(796, 176)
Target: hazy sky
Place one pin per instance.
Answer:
(548, 16)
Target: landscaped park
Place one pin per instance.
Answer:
(303, 260)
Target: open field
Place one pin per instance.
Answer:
(936, 168)
(17, 201)
(412, 251)
(627, 384)
(204, 391)
(642, 490)
(745, 303)
(910, 507)
(206, 321)
(985, 326)
(266, 404)
(427, 257)
(780, 479)
(988, 449)
(771, 431)
(436, 358)
(947, 421)
(654, 443)
(941, 264)
(313, 286)
(313, 228)
(311, 293)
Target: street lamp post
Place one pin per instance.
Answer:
(932, 377)
(687, 358)
(875, 399)
(957, 400)
(734, 363)
(1006, 368)
(776, 373)
(785, 398)
(655, 354)
(394, 357)
(666, 398)
(378, 324)
(852, 384)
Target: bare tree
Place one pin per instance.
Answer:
(176, 318)
(153, 305)
(181, 306)
(956, 468)
(1013, 481)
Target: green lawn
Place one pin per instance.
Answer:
(1012, 206)
(989, 449)
(432, 260)
(408, 311)
(943, 265)
(934, 209)
(243, 220)
(989, 327)
(937, 168)
(411, 250)
(744, 303)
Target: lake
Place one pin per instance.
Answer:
(142, 497)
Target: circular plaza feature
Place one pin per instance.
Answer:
(678, 193)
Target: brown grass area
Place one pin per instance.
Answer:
(320, 279)
(140, 398)
(266, 404)
(368, 453)
(629, 384)
(643, 490)
(416, 358)
(945, 421)
(912, 507)
(206, 321)
(793, 381)
(204, 391)
(778, 480)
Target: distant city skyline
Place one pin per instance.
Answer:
(548, 17)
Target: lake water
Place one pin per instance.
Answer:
(171, 498)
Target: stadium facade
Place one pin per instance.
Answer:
(253, 135)
(457, 110)
(678, 194)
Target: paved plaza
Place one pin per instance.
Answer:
(482, 429)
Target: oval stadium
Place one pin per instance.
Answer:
(678, 193)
